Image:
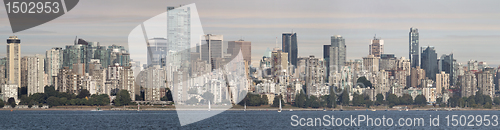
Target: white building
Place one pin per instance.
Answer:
(9, 90)
(36, 74)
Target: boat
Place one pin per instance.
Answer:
(291, 109)
(279, 110)
(209, 105)
(324, 109)
(374, 109)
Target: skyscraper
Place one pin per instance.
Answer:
(429, 62)
(179, 32)
(14, 61)
(245, 46)
(376, 47)
(414, 46)
(157, 51)
(446, 64)
(289, 45)
(36, 74)
(211, 48)
(337, 53)
(53, 62)
(326, 57)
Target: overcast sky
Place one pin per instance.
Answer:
(469, 29)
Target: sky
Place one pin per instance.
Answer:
(468, 29)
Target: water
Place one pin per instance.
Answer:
(226, 120)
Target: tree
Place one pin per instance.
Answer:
(496, 100)
(50, 91)
(264, 100)
(357, 99)
(84, 93)
(192, 100)
(487, 105)
(344, 100)
(2, 104)
(331, 99)
(487, 99)
(164, 98)
(380, 99)
(208, 96)
(62, 101)
(392, 100)
(364, 81)
(22, 91)
(52, 101)
(300, 99)
(314, 101)
(368, 102)
(276, 101)
(255, 100)
(122, 98)
(420, 100)
(406, 99)
(479, 98)
(12, 102)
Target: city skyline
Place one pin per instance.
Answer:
(448, 26)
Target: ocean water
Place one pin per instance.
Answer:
(240, 120)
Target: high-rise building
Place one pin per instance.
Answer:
(233, 47)
(429, 62)
(313, 75)
(446, 64)
(326, 58)
(485, 83)
(53, 62)
(442, 82)
(469, 84)
(416, 76)
(337, 54)
(157, 51)
(212, 48)
(14, 61)
(371, 63)
(414, 46)
(388, 62)
(376, 47)
(279, 62)
(36, 74)
(472, 65)
(179, 32)
(289, 45)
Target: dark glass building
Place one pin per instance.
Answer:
(289, 45)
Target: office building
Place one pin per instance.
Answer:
(337, 54)
(234, 47)
(289, 45)
(179, 33)
(414, 46)
(429, 62)
(446, 64)
(376, 47)
(14, 61)
(157, 51)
